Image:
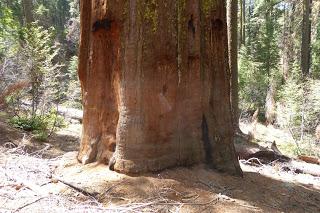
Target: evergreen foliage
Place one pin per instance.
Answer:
(34, 53)
(271, 56)
(315, 65)
(259, 59)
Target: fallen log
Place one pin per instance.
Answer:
(245, 150)
(262, 155)
(249, 150)
(305, 168)
(309, 159)
(267, 156)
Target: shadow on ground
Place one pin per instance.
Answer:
(195, 189)
(56, 145)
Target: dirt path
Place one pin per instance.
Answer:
(46, 178)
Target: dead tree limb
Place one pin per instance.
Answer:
(11, 89)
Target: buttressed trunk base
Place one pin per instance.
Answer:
(155, 82)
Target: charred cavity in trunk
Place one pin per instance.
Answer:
(206, 140)
(191, 26)
(101, 99)
(102, 24)
(217, 24)
(192, 43)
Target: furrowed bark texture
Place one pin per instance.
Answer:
(155, 81)
(232, 23)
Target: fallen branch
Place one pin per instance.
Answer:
(249, 161)
(28, 204)
(173, 203)
(306, 168)
(269, 155)
(82, 191)
(13, 88)
(192, 204)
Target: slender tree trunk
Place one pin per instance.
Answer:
(242, 29)
(232, 22)
(270, 97)
(286, 45)
(251, 31)
(296, 11)
(306, 35)
(28, 11)
(243, 33)
(240, 23)
(154, 78)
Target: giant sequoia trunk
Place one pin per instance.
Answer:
(155, 81)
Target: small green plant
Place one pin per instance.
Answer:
(41, 126)
(40, 135)
(33, 105)
(28, 123)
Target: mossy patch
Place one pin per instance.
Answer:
(151, 13)
(207, 6)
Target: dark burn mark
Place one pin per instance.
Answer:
(217, 24)
(206, 140)
(112, 147)
(164, 89)
(191, 26)
(102, 24)
(112, 162)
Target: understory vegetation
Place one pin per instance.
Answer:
(271, 67)
(38, 62)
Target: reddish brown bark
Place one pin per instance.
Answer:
(155, 80)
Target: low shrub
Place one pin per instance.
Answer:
(40, 125)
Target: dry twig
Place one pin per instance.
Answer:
(28, 204)
(249, 161)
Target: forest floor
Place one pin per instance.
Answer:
(46, 177)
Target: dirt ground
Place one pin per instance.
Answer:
(46, 177)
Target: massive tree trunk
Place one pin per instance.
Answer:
(232, 23)
(306, 36)
(154, 77)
